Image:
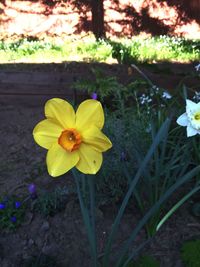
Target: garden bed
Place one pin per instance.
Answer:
(62, 237)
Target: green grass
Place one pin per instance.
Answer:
(137, 49)
(163, 48)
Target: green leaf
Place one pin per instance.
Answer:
(190, 253)
(158, 138)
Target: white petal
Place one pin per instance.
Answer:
(190, 105)
(191, 131)
(183, 120)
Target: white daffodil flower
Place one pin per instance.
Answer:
(191, 118)
(196, 96)
(166, 95)
(197, 67)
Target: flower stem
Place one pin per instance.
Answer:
(89, 223)
(142, 74)
(92, 214)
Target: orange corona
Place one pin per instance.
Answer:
(70, 139)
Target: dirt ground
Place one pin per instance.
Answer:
(23, 162)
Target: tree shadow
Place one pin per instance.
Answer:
(142, 21)
(133, 21)
(48, 7)
(187, 10)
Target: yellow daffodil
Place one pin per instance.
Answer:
(72, 139)
(191, 118)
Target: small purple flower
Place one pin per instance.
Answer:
(2, 206)
(32, 189)
(17, 204)
(94, 96)
(13, 219)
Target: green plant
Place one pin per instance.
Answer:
(170, 160)
(146, 261)
(105, 87)
(120, 107)
(94, 50)
(126, 50)
(111, 182)
(123, 53)
(162, 169)
(88, 208)
(153, 209)
(154, 48)
(169, 163)
(49, 203)
(141, 93)
(12, 211)
(190, 253)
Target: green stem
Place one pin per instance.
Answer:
(92, 213)
(175, 207)
(142, 74)
(86, 219)
(138, 199)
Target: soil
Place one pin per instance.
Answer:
(22, 162)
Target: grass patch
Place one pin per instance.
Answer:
(137, 49)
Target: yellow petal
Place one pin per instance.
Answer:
(61, 111)
(46, 133)
(90, 159)
(94, 137)
(60, 161)
(90, 112)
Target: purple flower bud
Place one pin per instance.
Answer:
(2, 206)
(17, 204)
(94, 96)
(32, 189)
(13, 219)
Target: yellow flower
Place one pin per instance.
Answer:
(72, 139)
